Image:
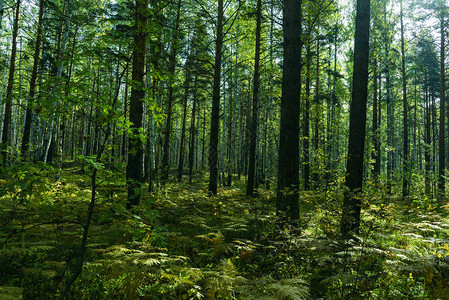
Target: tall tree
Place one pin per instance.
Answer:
(9, 88)
(29, 111)
(172, 68)
(134, 168)
(215, 113)
(288, 172)
(255, 112)
(357, 121)
(406, 162)
(441, 141)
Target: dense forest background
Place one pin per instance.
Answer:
(168, 149)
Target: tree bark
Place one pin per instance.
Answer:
(29, 110)
(9, 89)
(375, 128)
(288, 172)
(184, 118)
(350, 222)
(255, 112)
(193, 129)
(134, 168)
(406, 161)
(306, 128)
(215, 114)
(441, 141)
(172, 61)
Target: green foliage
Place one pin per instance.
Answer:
(181, 244)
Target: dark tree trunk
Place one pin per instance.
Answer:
(306, 128)
(172, 61)
(427, 145)
(215, 114)
(288, 173)
(9, 88)
(193, 129)
(29, 110)
(183, 125)
(255, 113)
(230, 123)
(134, 168)
(375, 153)
(357, 121)
(406, 162)
(441, 141)
(316, 129)
(125, 114)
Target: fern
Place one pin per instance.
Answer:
(10, 293)
(289, 289)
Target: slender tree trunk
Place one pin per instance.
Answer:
(306, 128)
(125, 115)
(134, 167)
(389, 124)
(193, 129)
(172, 62)
(255, 113)
(230, 132)
(288, 173)
(350, 222)
(427, 145)
(375, 154)
(215, 117)
(406, 161)
(441, 141)
(183, 126)
(29, 110)
(9, 89)
(316, 135)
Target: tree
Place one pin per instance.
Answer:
(441, 141)
(255, 112)
(215, 113)
(29, 111)
(406, 162)
(288, 172)
(9, 89)
(134, 168)
(172, 69)
(350, 221)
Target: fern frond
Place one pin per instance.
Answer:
(294, 289)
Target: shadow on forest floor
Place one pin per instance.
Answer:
(182, 244)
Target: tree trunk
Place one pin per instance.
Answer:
(125, 115)
(9, 89)
(441, 141)
(215, 114)
(316, 135)
(306, 128)
(134, 167)
(375, 153)
(255, 113)
(288, 174)
(230, 123)
(350, 222)
(193, 129)
(427, 146)
(172, 62)
(183, 125)
(406, 161)
(29, 110)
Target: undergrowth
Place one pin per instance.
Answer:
(182, 244)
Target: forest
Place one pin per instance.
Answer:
(224, 149)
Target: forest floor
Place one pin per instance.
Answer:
(182, 244)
